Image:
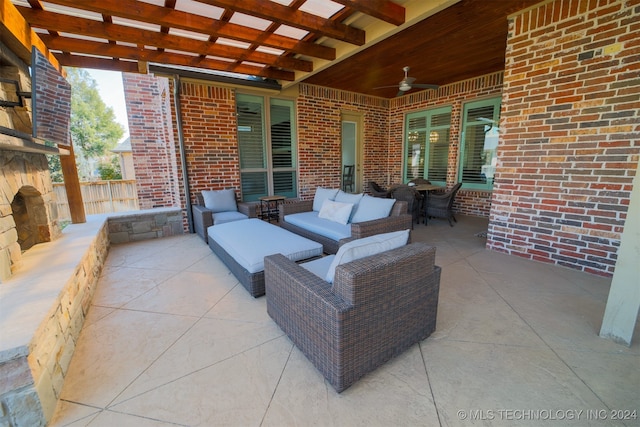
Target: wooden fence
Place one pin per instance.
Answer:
(100, 197)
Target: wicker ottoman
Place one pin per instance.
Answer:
(242, 246)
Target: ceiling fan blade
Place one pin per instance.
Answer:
(384, 87)
(400, 93)
(408, 80)
(424, 86)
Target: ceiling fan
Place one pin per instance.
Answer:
(407, 84)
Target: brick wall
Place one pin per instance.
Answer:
(152, 140)
(210, 137)
(319, 137)
(52, 112)
(570, 140)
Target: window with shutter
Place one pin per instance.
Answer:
(267, 158)
(479, 143)
(427, 145)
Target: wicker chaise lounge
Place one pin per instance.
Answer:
(377, 307)
(242, 246)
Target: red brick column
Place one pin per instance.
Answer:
(569, 133)
(156, 164)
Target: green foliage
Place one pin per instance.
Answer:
(55, 168)
(110, 169)
(94, 129)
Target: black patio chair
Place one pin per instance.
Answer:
(441, 205)
(377, 191)
(412, 197)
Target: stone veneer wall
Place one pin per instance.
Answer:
(570, 135)
(145, 225)
(30, 172)
(33, 375)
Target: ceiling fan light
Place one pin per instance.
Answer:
(404, 87)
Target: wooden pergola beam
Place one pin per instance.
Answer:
(19, 37)
(67, 44)
(384, 10)
(171, 18)
(296, 18)
(87, 27)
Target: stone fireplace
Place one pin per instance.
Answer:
(28, 213)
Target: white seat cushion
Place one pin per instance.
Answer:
(249, 241)
(319, 266)
(222, 217)
(310, 222)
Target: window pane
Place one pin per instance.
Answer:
(478, 159)
(428, 145)
(284, 183)
(250, 132)
(267, 159)
(254, 185)
(282, 134)
(473, 156)
(416, 138)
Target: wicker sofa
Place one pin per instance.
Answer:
(398, 219)
(376, 308)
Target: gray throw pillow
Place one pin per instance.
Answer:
(220, 200)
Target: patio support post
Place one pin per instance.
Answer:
(72, 186)
(621, 313)
(183, 157)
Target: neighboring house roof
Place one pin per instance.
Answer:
(123, 147)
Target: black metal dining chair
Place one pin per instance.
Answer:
(347, 178)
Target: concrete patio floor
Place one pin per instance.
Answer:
(172, 338)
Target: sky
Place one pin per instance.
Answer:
(112, 93)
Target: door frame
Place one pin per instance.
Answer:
(358, 119)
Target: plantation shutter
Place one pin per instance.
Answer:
(478, 153)
(427, 145)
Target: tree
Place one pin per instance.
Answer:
(110, 170)
(94, 129)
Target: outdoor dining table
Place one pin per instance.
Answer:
(425, 189)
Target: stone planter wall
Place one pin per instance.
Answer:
(49, 307)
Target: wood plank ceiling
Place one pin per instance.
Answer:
(355, 45)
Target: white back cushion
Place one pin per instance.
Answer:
(367, 246)
(323, 194)
(220, 200)
(371, 208)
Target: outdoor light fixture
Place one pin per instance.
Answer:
(433, 136)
